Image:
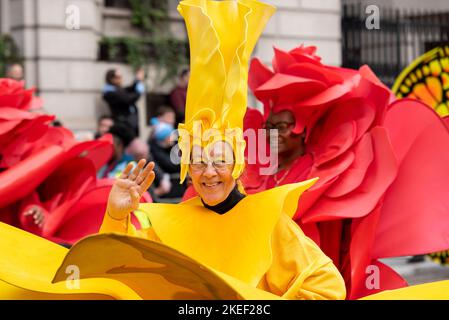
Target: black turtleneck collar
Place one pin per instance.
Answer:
(231, 201)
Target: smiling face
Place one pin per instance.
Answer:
(211, 172)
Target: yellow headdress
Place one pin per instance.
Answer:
(222, 36)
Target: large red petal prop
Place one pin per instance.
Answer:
(417, 200)
(377, 94)
(282, 60)
(24, 177)
(327, 174)
(342, 128)
(7, 126)
(83, 217)
(283, 88)
(353, 177)
(55, 136)
(304, 54)
(309, 70)
(331, 94)
(368, 74)
(368, 275)
(258, 74)
(364, 199)
(17, 143)
(20, 101)
(389, 280)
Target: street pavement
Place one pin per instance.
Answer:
(419, 272)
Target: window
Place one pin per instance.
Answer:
(124, 4)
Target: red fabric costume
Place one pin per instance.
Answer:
(383, 164)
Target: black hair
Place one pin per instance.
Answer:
(184, 72)
(123, 132)
(163, 109)
(103, 117)
(110, 74)
(9, 66)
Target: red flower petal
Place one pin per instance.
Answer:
(354, 176)
(304, 54)
(282, 60)
(418, 197)
(364, 199)
(258, 74)
(285, 88)
(312, 71)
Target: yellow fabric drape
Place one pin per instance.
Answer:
(256, 242)
(429, 291)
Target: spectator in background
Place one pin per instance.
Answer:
(103, 125)
(123, 135)
(122, 101)
(138, 149)
(162, 144)
(15, 71)
(179, 95)
(164, 114)
(163, 123)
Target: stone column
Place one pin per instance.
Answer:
(4, 16)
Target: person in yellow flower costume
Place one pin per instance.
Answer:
(221, 244)
(222, 228)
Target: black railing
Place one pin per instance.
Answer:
(122, 4)
(403, 36)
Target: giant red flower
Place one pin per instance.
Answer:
(383, 164)
(42, 165)
(14, 95)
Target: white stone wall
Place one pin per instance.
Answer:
(4, 16)
(436, 5)
(60, 62)
(312, 22)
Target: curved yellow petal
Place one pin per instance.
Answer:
(111, 266)
(428, 291)
(244, 232)
(28, 264)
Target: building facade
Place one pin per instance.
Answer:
(61, 61)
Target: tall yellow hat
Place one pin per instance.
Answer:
(222, 36)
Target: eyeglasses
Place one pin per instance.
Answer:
(282, 127)
(220, 165)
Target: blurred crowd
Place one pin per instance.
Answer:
(122, 122)
(159, 146)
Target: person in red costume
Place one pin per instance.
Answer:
(383, 164)
(48, 182)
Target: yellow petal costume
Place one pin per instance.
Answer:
(261, 248)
